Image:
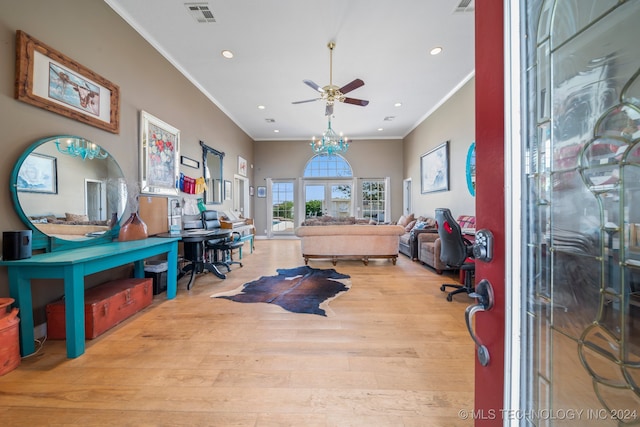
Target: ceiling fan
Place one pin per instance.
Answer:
(332, 93)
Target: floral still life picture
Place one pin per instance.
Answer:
(160, 154)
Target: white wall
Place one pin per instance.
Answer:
(287, 159)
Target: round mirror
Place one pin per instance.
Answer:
(70, 189)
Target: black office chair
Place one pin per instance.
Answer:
(456, 252)
(225, 246)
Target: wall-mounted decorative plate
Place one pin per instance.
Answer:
(471, 169)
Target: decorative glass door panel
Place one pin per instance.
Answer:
(582, 268)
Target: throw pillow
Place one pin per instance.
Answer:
(467, 221)
(430, 222)
(405, 220)
(420, 225)
(409, 226)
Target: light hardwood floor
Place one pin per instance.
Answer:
(394, 353)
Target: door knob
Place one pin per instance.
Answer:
(484, 294)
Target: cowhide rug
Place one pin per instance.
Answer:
(299, 290)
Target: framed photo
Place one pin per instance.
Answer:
(38, 174)
(227, 190)
(434, 169)
(48, 79)
(262, 192)
(242, 166)
(251, 192)
(184, 160)
(159, 153)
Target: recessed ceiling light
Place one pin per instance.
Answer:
(261, 107)
(276, 131)
(398, 104)
(380, 129)
(227, 54)
(436, 50)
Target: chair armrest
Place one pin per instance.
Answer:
(415, 233)
(427, 236)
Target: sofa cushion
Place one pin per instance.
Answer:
(410, 226)
(329, 220)
(76, 217)
(404, 239)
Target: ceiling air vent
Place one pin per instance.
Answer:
(465, 6)
(200, 12)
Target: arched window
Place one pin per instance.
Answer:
(327, 166)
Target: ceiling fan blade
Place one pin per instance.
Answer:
(313, 85)
(355, 101)
(351, 86)
(329, 110)
(306, 100)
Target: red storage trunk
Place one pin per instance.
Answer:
(105, 306)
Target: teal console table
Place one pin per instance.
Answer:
(72, 266)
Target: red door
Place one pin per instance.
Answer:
(580, 257)
(490, 202)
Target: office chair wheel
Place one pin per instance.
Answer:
(442, 288)
(449, 298)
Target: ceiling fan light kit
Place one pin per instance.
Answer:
(331, 93)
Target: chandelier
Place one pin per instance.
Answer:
(80, 147)
(330, 143)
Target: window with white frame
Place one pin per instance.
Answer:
(374, 199)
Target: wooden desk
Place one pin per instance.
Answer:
(72, 266)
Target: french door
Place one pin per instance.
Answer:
(282, 215)
(333, 198)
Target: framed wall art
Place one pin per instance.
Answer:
(434, 169)
(159, 153)
(38, 174)
(242, 166)
(48, 79)
(187, 161)
(262, 192)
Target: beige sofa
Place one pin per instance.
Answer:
(350, 241)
